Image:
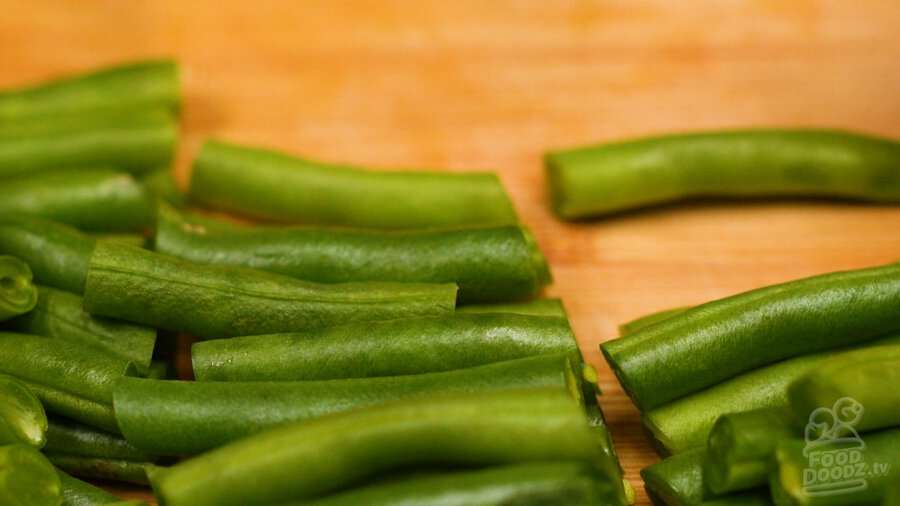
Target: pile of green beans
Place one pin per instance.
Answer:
(18, 294)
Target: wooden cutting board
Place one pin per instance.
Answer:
(467, 85)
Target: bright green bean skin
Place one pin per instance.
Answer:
(161, 184)
(686, 423)
(217, 302)
(134, 143)
(189, 417)
(650, 319)
(487, 263)
(100, 200)
(22, 417)
(17, 292)
(60, 315)
(27, 478)
(314, 457)
(150, 84)
(408, 346)
(861, 375)
(786, 478)
(740, 446)
(540, 484)
(609, 178)
(67, 378)
(58, 254)
(723, 338)
(536, 307)
(278, 187)
(78, 493)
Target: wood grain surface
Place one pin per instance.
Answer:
(465, 85)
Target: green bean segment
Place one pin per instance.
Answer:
(89, 199)
(126, 471)
(314, 457)
(269, 185)
(609, 178)
(189, 417)
(78, 493)
(22, 417)
(17, 293)
(723, 338)
(27, 478)
(408, 346)
(67, 378)
(161, 183)
(487, 263)
(58, 254)
(65, 436)
(648, 320)
(150, 84)
(536, 307)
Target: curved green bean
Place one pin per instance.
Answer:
(685, 423)
(487, 263)
(78, 493)
(135, 143)
(149, 84)
(67, 378)
(861, 375)
(58, 254)
(408, 346)
(274, 186)
(27, 478)
(322, 455)
(22, 417)
(610, 178)
(89, 199)
(723, 338)
(18, 294)
(217, 302)
(535, 307)
(189, 417)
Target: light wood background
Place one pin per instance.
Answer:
(465, 85)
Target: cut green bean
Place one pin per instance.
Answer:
(274, 186)
(161, 183)
(126, 471)
(17, 292)
(60, 315)
(849, 470)
(218, 302)
(686, 423)
(609, 178)
(487, 263)
(89, 199)
(58, 254)
(314, 457)
(723, 338)
(67, 378)
(650, 319)
(859, 375)
(150, 84)
(408, 346)
(740, 446)
(65, 436)
(189, 417)
(135, 143)
(79, 493)
(536, 307)
(27, 478)
(22, 417)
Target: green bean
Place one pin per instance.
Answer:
(90, 199)
(650, 319)
(217, 302)
(78, 493)
(161, 370)
(813, 474)
(189, 417)
(60, 315)
(22, 417)
(67, 378)
(150, 84)
(65, 436)
(408, 346)
(313, 457)
(536, 307)
(740, 446)
(135, 143)
(58, 254)
(860, 375)
(26, 478)
(558, 483)
(274, 186)
(487, 263)
(126, 471)
(161, 184)
(610, 178)
(17, 293)
(723, 338)
(685, 423)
